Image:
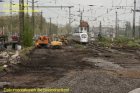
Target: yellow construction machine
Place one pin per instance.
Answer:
(56, 42)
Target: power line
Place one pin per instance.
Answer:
(52, 6)
(126, 2)
(58, 7)
(120, 2)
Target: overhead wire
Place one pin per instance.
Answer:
(120, 2)
(109, 10)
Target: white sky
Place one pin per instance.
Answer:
(98, 12)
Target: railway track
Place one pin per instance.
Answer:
(130, 65)
(44, 67)
(125, 54)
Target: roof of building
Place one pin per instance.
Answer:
(84, 24)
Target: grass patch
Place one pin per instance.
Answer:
(119, 42)
(23, 53)
(133, 44)
(78, 46)
(105, 42)
(1, 68)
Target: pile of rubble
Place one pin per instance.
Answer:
(8, 57)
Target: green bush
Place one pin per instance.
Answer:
(137, 41)
(1, 68)
(25, 51)
(104, 39)
(121, 40)
(133, 44)
(27, 35)
(105, 44)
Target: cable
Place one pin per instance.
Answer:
(120, 2)
(126, 2)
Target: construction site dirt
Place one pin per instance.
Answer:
(82, 70)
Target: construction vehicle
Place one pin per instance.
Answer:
(56, 42)
(42, 42)
(63, 39)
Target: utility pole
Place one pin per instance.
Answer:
(69, 15)
(53, 7)
(69, 19)
(118, 29)
(33, 23)
(100, 28)
(50, 33)
(81, 16)
(11, 18)
(134, 16)
(126, 29)
(21, 20)
(100, 31)
(116, 24)
(27, 7)
(139, 27)
(41, 25)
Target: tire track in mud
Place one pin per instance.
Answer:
(44, 66)
(49, 65)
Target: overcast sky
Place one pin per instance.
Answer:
(102, 11)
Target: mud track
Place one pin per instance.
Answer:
(45, 65)
(65, 68)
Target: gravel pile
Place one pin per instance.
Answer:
(93, 81)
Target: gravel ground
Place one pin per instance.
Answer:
(96, 81)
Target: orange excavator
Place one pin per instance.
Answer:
(42, 42)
